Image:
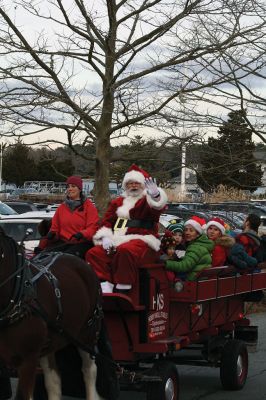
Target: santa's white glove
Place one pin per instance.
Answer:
(152, 189)
(107, 243)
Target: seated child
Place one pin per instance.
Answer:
(223, 243)
(168, 244)
(198, 251)
(177, 230)
(226, 250)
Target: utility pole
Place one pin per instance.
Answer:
(183, 151)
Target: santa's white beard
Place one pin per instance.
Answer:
(134, 192)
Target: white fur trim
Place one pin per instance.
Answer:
(123, 286)
(102, 232)
(150, 240)
(134, 176)
(107, 287)
(199, 228)
(128, 203)
(215, 223)
(158, 205)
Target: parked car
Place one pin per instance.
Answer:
(6, 210)
(165, 221)
(21, 206)
(234, 219)
(262, 227)
(52, 207)
(237, 206)
(40, 206)
(184, 213)
(17, 225)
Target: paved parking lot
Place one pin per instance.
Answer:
(204, 383)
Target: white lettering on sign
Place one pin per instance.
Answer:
(158, 302)
(158, 323)
(159, 314)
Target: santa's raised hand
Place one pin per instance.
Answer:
(152, 189)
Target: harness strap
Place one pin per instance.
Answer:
(58, 328)
(20, 275)
(45, 270)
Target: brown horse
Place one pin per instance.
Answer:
(45, 305)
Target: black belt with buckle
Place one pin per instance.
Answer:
(122, 223)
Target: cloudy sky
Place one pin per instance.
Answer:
(88, 81)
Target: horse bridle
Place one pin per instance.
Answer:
(23, 294)
(20, 274)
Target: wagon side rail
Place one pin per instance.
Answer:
(217, 283)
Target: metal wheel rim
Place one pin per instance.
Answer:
(169, 389)
(240, 366)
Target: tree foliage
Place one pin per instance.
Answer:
(149, 154)
(18, 164)
(229, 159)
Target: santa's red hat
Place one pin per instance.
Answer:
(198, 223)
(135, 174)
(218, 222)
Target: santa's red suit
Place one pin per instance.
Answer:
(131, 222)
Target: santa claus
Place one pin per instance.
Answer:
(128, 233)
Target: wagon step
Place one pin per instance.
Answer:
(125, 376)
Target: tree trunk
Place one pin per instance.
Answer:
(102, 169)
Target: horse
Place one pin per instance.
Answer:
(45, 304)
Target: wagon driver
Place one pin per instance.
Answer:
(128, 234)
(74, 222)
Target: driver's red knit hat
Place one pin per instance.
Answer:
(75, 180)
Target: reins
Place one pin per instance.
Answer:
(19, 274)
(59, 245)
(11, 276)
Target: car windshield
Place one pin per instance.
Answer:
(6, 210)
(17, 229)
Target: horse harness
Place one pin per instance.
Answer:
(14, 311)
(24, 301)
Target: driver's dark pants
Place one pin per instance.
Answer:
(78, 249)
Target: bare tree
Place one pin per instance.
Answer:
(96, 69)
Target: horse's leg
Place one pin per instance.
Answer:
(89, 371)
(51, 377)
(26, 378)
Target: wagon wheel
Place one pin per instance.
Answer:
(234, 365)
(168, 387)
